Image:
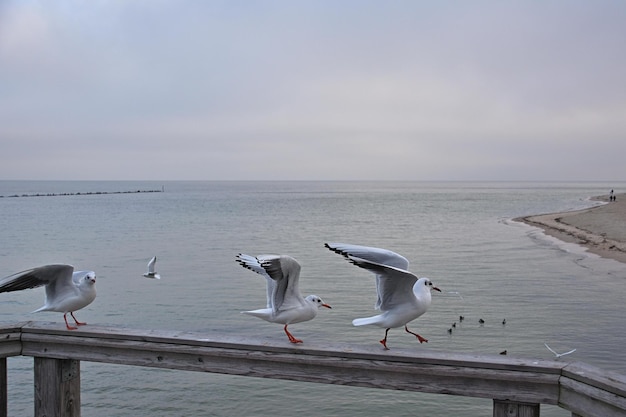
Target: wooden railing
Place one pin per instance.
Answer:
(517, 386)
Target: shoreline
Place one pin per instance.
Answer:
(600, 229)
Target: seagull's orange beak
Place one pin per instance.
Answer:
(326, 305)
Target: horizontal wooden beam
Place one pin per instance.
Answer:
(589, 391)
(10, 340)
(493, 377)
(585, 390)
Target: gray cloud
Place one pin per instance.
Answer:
(312, 90)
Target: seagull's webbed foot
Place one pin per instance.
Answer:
(291, 337)
(384, 341)
(67, 324)
(79, 323)
(420, 338)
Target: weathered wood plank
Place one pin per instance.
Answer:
(590, 375)
(516, 385)
(435, 373)
(10, 344)
(57, 387)
(589, 401)
(373, 352)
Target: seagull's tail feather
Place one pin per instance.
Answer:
(366, 320)
(262, 313)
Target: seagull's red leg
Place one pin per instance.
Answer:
(67, 324)
(80, 323)
(384, 341)
(290, 336)
(420, 338)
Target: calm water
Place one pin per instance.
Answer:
(458, 234)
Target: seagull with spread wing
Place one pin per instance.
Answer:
(402, 297)
(151, 272)
(285, 304)
(66, 290)
(558, 355)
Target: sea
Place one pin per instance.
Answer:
(459, 234)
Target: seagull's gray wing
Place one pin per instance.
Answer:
(285, 271)
(558, 355)
(253, 264)
(151, 265)
(376, 255)
(551, 350)
(394, 285)
(56, 278)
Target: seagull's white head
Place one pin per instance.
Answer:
(317, 301)
(427, 283)
(90, 278)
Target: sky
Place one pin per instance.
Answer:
(313, 90)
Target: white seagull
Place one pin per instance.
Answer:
(558, 355)
(285, 305)
(402, 297)
(66, 291)
(150, 273)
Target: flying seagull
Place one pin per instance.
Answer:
(558, 355)
(150, 273)
(66, 291)
(285, 304)
(402, 297)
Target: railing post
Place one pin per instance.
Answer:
(57, 387)
(514, 409)
(3, 388)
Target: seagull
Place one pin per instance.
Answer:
(150, 273)
(402, 297)
(558, 355)
(66, 291)
(285, 305)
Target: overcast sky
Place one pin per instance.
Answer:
(296, 90)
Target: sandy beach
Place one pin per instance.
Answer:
(600, 229)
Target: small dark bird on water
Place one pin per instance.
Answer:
(481, 321)
(449, 331)
(503, 352)
(454, 324)
(504, 322)
(461, 318)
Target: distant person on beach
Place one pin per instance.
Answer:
(611, 196)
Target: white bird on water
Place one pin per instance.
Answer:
(558, 355)
(66, 291)
(285, 305)
(402, 297)
(151, 273)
